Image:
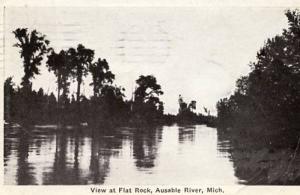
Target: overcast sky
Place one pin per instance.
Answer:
(195, 52)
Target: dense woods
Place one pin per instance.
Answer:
(265, 104)
(106, 107)
(260, 119)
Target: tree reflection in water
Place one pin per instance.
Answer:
(25, 171)
(257, 161)
(102, 148)
(113, 156)
(67, 170)
(186, 134)
(145, 146)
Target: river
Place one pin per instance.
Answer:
(165, 155)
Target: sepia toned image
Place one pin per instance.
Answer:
(151, 96)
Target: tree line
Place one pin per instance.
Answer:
(107, 104)
(187, 114)
(267, 100)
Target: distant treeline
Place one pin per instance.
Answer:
(187, 114)
(107, 105)
(266, 102)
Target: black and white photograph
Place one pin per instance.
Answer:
(151, 96)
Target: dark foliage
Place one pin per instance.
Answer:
(34, 107)
(32, 46)
(147, 106)
(267, 100)
(107, 106)
(187, 114)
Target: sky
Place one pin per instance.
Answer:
(196, 52)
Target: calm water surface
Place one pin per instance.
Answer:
(158, 155)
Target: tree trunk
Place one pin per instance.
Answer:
(25, 79)
(58, 89)
(26, 93)
(94, 86)
(95, 92)
(78, 99)
(58, 98)
(78, 89)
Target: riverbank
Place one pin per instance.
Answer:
(263, 159)
(168, 119)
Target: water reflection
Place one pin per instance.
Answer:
(256, 162)
(25, 170)
(156, 155)
(145, 146)
(186, 134)
(99, 163)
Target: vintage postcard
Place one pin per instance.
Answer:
(141, 98)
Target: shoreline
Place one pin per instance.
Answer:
(261, 159)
